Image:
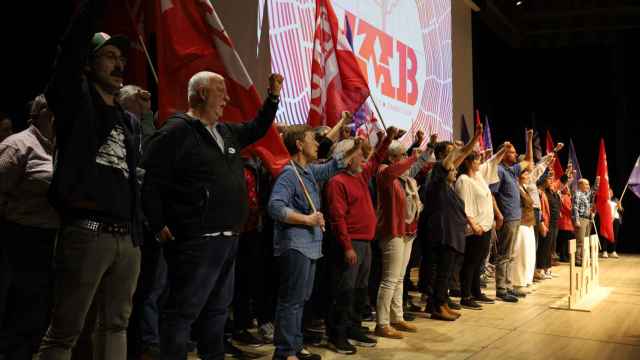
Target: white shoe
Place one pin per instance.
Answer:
(605, 255)
(614, 255)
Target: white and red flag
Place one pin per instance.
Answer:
(337, 83)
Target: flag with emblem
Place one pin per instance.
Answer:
(602, 196)
(337, 83)
(191, 38)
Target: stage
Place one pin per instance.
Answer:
(528, 329)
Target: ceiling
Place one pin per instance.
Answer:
(561, 23)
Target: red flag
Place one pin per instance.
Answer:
(477, 125)
(337, 84)
(131, 18)
(556, 165)
(602, 197)
(191, 38)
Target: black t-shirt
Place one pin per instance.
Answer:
(108, 187)
(446, 217)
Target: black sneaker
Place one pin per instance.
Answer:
(358, 338)
(246, 338)
(452, 305)
(232, 350)
(342, 346)
(305, 354)
(483, 299)
(408, 317)
(468, 303)
(506, 297)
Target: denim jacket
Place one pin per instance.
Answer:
(287, 196)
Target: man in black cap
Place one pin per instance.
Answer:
(95, 190)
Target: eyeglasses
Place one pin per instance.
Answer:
(113, 57)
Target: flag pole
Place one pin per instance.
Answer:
(378, 111)
(304, 189)
(624, 191)
(141, 41)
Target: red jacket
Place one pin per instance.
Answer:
(391, 200)
(565, 222)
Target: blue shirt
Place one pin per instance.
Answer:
(287, 196)
(507, 192)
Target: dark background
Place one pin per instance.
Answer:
(575, 72)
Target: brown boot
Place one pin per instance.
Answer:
(404, 326)
(387, 332)
(442, 314)
(450, 311)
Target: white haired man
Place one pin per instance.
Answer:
(194, 188)
(583, 211)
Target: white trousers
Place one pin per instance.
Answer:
(524, 257)
(396, 253)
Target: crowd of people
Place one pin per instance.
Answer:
(123, 240)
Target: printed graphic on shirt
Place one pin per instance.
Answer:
(113, 152)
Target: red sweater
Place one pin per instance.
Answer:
(565, 223)
(351, 212)
(391, 200)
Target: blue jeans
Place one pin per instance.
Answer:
(297, 273)
(201, 276)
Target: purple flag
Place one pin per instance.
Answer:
(486, 136)
(573, 158)
(464, 131)
(634, 178)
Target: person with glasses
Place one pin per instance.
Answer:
(95, 190)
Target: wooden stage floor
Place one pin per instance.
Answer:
(528, 329)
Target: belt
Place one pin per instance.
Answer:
(221, 233)
(95, 226)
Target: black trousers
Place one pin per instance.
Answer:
(563, 243)
(349, 289)
(611, 246)
(445, 259)
(475, 252)
(26, 271)
(245, 296)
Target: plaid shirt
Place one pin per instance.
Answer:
(581, 205)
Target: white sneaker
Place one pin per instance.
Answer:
(605, 255)
(614, 255)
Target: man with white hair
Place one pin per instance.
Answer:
(194, 189)
(352, 219)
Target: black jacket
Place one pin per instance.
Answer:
(190, 185)
(79, 128)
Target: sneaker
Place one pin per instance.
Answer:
(408, 317)
(387, 332)
(358, 338)
(342, 346)
(468, 303)
(614, 255)
(506, 297)
(305, 354)
(455, 293)
(518, 292)
(266, 332)
(404, 326)
(244, 337)
(483, 299)
(232, 350)
(453, 306)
